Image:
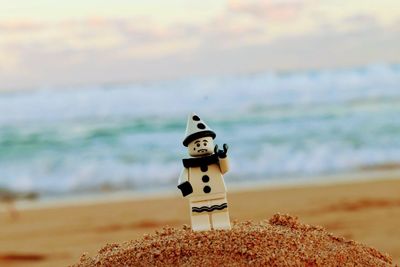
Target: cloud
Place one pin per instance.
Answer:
(279, 10)
(98, 66)
(97, 50)
(360, 20)
(20, 26)
(90, 32)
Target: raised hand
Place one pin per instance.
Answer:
(221, 153)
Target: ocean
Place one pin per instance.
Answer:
(60, 141)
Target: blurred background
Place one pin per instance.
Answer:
(94, 95)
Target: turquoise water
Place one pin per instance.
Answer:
(57, 141)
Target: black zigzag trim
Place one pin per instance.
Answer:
(209, 209)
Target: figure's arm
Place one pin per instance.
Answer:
(224, 165)
(223, 158)
(184, 184)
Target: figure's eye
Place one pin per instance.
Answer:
(198, 144)
(204, 144)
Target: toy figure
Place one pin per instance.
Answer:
(201, 180)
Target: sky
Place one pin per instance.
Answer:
(62, 44)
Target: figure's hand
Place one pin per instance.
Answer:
(186, 188)
(225, 147)
(221, 153)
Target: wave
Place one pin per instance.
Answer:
(277, 124)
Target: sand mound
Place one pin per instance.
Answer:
(281, 241)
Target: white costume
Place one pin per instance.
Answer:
(201, 180)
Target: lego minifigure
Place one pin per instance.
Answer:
(201, 180)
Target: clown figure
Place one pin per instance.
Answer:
(201, 180)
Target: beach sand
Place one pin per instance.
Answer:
(279, 241)
(365, 211)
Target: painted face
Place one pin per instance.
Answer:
(201, 147)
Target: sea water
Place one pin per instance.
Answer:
(114, 137)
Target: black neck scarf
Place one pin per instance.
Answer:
(198, 162)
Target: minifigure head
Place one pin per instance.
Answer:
(201, 147)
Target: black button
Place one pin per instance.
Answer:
(204, 168)
(201, 126)
(205, 179)
(207, 189)
(196, 118)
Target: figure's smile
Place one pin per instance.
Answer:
(202, 150)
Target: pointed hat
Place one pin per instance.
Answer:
(196, 128)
